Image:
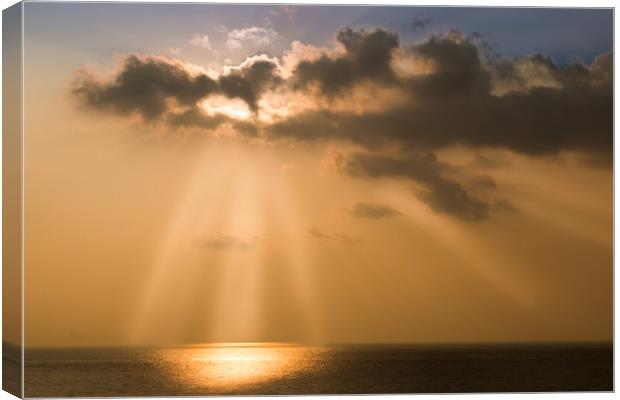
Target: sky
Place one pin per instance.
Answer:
(320, 174)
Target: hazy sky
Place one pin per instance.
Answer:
(201, 173)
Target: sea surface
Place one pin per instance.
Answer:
(293, 369)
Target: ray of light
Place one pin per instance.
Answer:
(290, 221)
(237, 299)
(174, 237)
(231, 193)
(480, 258)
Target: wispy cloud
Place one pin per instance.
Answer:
(201, 41)
(253, 37)
(226, 242)
(373, 211)
(338, 238)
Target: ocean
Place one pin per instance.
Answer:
(274, 369)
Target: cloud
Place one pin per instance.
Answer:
(144, 86)
(489, 162)
(201, 41)
(195, 118)
(249, 81)
(367, 57)
(226, 242)
(541, 107)
(420, 23)
(452, 103)
(438, 190)
(345, 239)
(338, 238)
(147, 85)
(318, 234)
(446, 91)
(373, 211)
(253, 37)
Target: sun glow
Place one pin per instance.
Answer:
(233, 108)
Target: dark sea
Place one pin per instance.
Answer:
(292, 369)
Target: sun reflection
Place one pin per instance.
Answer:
(233, 367)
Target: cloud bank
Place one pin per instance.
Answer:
(399, 104)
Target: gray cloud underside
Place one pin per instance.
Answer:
(454, 104)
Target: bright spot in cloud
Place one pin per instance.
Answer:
(234, 108)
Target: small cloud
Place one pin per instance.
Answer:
(318, 234)
(224, 242)
(338, 238)
(254, 37)
(201, 41)
(344, 239)
(373, 211)
(421, 23)
(175, 51)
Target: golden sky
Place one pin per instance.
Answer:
(369, 187)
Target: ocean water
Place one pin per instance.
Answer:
(292, 369)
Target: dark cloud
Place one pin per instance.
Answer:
(373, 211)
(439, 191)
(144, 86)
(420, 23)
(454, 104)
(367, 58)
(249, 82)
(147, 85)
(546, 109)
(468, 96)
(457, 69)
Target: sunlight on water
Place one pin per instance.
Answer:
(236, 366)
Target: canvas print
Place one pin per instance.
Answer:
(223, 199)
